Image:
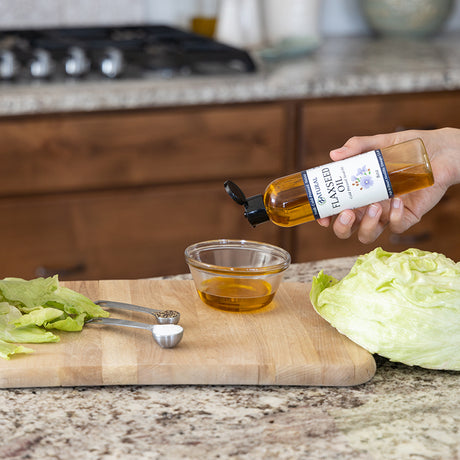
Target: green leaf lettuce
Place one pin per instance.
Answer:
(10, 334)
(29, 308)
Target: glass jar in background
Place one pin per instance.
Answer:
(239, 23)
(204, 20)
(292, 27)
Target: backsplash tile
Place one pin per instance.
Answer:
(50, 13)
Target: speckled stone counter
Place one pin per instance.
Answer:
(340, 67)
(402, 413)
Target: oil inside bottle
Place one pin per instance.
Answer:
(236, 294)
(288, 205)
(406, 178)
(204, 25)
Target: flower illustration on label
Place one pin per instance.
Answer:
(362, 179)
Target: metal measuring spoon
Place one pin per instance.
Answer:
(162, 316)
(165, 335)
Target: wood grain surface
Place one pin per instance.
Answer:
(287, 343)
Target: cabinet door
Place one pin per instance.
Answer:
(327, 124)
(121, 194)
(120, 234)
(437, 231)
(71, 152)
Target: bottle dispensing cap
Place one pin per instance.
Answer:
(254, 206)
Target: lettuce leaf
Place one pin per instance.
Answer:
(403, 306)
(74, 303)
(39, 317)
(69, 323)
(8, 349)
(28, 334)
(27, 294)
(29, 308)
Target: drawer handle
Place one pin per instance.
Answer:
(410, 239)
(61, 272)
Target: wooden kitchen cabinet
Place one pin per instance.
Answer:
(437, 231)
(120, 195)
(327, 124)
(127, 233)
(79, 152)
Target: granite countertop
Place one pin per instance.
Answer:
(403, 412)
(340, 67)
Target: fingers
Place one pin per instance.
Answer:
(341, 153)
(397, 224)
(360, 144)
(371, 227)
(343, 225)
(352, 147)
(369, 224)
(402, 217)
(324, 221)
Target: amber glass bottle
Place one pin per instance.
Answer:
(346, 184)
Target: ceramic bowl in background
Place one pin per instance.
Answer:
(406, 18)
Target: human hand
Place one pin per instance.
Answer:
(399, 213)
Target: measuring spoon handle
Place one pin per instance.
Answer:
(126, 306)
(121, 322)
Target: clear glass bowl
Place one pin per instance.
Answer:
(236, 275)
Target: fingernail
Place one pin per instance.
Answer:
(372, 210)
(397, 203)
(339, 151)
(345, 218)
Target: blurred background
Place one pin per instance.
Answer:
(335, 18)
(119, 126)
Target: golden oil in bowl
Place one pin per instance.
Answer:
(236, 294)
(236, 275)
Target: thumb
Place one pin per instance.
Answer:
(360, 144)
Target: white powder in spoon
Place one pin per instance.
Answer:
(167, 329)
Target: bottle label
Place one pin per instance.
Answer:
(347, 184)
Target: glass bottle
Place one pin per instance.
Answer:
(345, 184)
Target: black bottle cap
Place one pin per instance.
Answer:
(254, 206)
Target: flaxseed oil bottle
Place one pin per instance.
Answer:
(345, 184)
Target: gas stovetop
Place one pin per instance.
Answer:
(98, 53)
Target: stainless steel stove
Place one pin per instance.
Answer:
(98, 53)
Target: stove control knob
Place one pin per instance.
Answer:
(76, 63)
(41, 65)
(112, 63)
(9, 65)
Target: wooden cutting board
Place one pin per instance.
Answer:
(286, 344)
